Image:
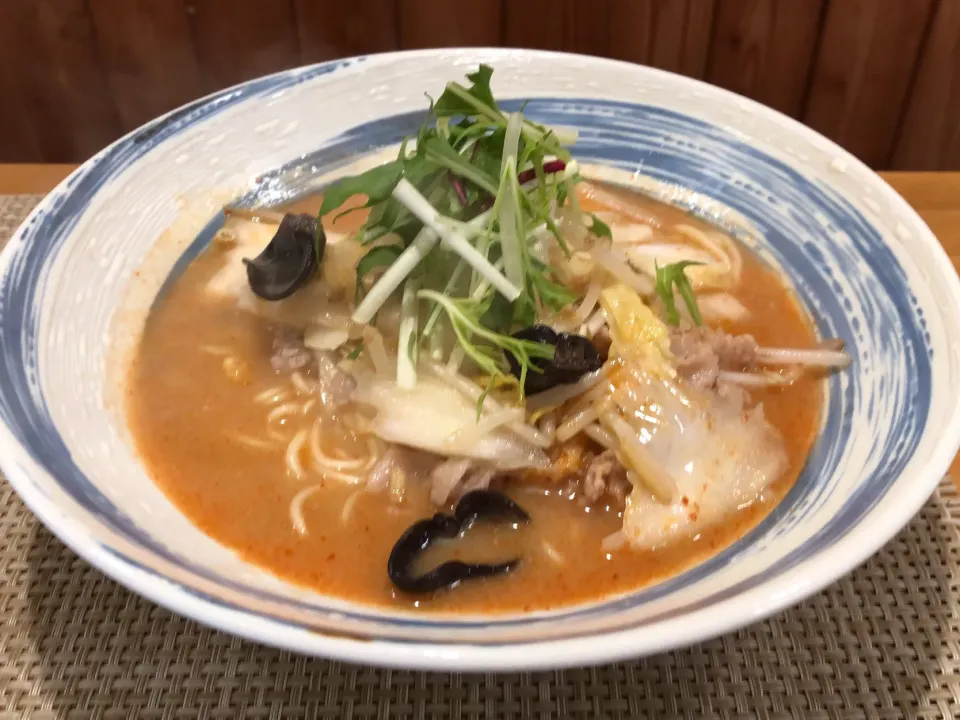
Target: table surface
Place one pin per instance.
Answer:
(935, 196)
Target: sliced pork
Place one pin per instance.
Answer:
(453, 478)
(605, 476)
(335, 386)
(397, 466)
(701, 353)
(289, 352)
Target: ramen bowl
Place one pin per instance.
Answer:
(79, 277)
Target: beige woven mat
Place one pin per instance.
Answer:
(881, 643)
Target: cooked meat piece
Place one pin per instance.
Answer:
(336, 385)
(696, 361)
(378, 479)
(567, 461)
(455, 477)
(702, 352)
(605, 476)
(734, 352)
(445, 477)
(602, 341)
(399, 464)
(289, 352)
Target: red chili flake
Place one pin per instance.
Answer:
(684, 500)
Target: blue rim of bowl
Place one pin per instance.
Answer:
(56, 221)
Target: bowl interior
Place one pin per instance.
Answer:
(860, 260)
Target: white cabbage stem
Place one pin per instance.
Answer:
(466, 437)
(559, 394)
(638, 456)
(472, 391)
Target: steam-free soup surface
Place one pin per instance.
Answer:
(191, 408)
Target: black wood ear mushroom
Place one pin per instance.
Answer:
(485, 505)
(290, 260)
(574, 356)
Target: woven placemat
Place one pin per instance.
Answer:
(881, 643)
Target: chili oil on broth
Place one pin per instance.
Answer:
(186, 411)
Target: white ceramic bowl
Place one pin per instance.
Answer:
(865, 265)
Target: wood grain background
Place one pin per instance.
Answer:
(880, 77)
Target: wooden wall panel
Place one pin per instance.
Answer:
(764, 49)
(148, 56)
(328, 31)
(566, 25)
(49, 51)
(863, 72)
(446, 23)
(586, 26)
(669, 34)
(236, 40)
(538, 24)
(881, 77)
(929, 137)
(18, 141)
(679, 33)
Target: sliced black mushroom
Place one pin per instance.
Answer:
(290, 260)
(574, 356)
(478, 505)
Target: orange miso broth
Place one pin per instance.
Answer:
(201, 389)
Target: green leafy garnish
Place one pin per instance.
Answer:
(551, 294)
(442, 154)
(464, 233)
(499, 317)
(355, 353)
(599, 228)
(376, 183)
(464, 316)
(673, 275)
(473, 100)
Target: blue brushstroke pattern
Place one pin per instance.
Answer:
(797, 217)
